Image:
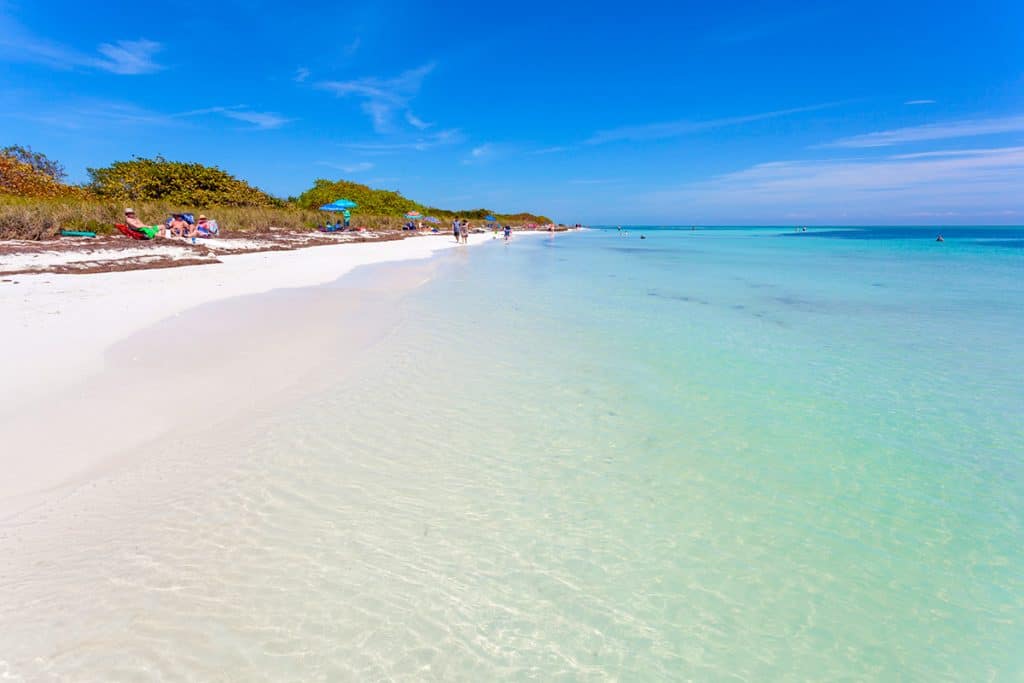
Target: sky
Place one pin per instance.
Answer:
(676, 113)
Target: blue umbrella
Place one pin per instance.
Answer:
(432, 219)
(490, 219)
(339, 205)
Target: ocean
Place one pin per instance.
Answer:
(714, 454)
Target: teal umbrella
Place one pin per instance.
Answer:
(490, 219)
(339, 205)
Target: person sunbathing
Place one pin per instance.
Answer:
(204, 227)
(132, 221)
(178, 226)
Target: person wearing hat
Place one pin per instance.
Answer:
(204, 227)
(132, 221)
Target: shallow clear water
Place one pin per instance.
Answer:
(739, 455)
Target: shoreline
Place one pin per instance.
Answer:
(111, 253)
(99, 365)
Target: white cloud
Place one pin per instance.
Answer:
(128, 57)
(96, 114)
(348, 168)
(416, 122)
(419, 144)
(917, 102)
(483, 153)
(552, 150)
(934, 131)
(123, 57)
(301, 74)
(671, 129)
(383, 98)
(902, 185)
(259, 120)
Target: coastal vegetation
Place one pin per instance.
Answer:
(36, 203)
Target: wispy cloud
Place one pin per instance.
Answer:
(383, 98)
(671, 129)
(480, 153)
(917, 102)
(259, 120)
(416, 122)
(348, 168)
(552, 150)
(122, 57)
(594, 181)
(988, 179)
(933, 131)
(301, 74)
(128, 57)
(418, 144)
(94, 114)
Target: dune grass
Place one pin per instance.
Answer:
(33, 218)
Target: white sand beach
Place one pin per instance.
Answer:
(94, 364)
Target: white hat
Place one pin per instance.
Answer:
(129, 210)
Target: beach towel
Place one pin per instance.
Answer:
(147, 232)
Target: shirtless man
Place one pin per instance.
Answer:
(178, 225)
(132, 221)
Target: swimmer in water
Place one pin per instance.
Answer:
(939, 239)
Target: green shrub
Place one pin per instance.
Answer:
(370, 201)
(179, 182)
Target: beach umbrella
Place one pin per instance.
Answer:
(339, 205)
(490, 219)
(414, 214)
(432, 219)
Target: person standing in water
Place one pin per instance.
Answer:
(508, 232)
(455, 228)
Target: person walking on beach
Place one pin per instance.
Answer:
(508, 232)
(455, 228)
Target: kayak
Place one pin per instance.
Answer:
(77, 233)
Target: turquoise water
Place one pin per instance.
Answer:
(707, 455)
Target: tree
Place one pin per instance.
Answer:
(37, 160)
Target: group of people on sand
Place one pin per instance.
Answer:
(176, 226)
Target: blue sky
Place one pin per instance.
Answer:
(683, 113)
